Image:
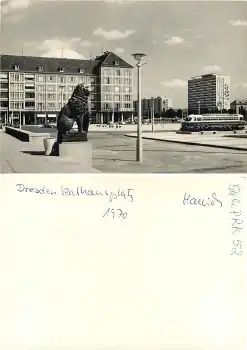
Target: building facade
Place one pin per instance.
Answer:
(239, 107)
(35, 88)
(209, 92)
(158, 104)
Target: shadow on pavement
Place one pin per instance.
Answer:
(35, 153)
(115, 159)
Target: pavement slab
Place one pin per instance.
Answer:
(207, 140)
(116, 153)
(23, 157)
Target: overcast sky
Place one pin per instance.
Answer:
(181, 39)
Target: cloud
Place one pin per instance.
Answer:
(60, 47)
(212, 68)
(15, 18)
(118, 2)
(238, 23)
(154, 42)
(86, 43)
(113, 34)
(119, 50)
(13, 5)
(199, 36)
(175, 83)
(174, 40)
(242, 85)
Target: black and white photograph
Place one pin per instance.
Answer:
(123, 162)
(123, 86)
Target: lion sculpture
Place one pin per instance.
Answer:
(76, 110)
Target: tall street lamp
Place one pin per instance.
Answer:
(138, 57)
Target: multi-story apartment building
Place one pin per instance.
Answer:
(208, 92)
(239, 106)
(158, 104)
(161, 104)
(35, 88)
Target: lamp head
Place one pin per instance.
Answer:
(139, 56)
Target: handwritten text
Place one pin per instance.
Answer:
(125, 194)
(210, 201)
(237, 222)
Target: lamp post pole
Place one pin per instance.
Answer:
(139, 125)
(20, 114)
(199, 107)
(61, 91)
(112, 120)
(152, 115)
(138, 57)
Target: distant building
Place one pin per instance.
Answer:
(159, 104)
(239, 106)
(208, 92)
(37, 87)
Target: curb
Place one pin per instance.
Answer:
(192, 143)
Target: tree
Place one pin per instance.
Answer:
(170, 113)
(179, 113)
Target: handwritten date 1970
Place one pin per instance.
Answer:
(115, 213)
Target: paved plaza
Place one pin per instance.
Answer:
(115, 153)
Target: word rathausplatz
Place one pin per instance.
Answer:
(237, 225)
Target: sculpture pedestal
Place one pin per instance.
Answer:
(79, 151)
(74, 137)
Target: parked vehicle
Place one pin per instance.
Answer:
(50, 125)
(213, 122)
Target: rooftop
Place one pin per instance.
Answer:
(54, 65)
(207, 75)
(242, 102)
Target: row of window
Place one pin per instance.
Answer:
(54, 106)
(116, 106)
(117, 72)
(21, 105)
(116, 81)
(43, 88)
(117, 98)
(59, 89)
(117, 89)
(57, 106)
(53, 96)
(51, 78)
(109, 88)
(65, 79)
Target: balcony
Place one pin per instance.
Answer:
(29, 106)
(29, 96)
(4, 87)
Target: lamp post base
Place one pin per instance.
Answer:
(138, 151)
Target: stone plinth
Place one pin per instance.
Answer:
(74, 137)
(79, 151)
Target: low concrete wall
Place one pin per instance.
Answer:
(79, 151)
(26, 136)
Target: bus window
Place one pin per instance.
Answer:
(188, 119)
